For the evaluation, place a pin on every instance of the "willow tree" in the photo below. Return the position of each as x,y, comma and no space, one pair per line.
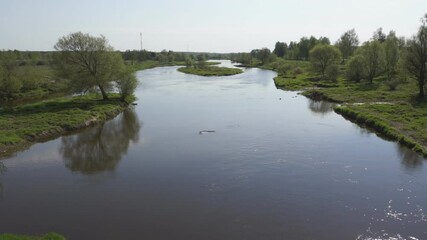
88,62
373,54
391,55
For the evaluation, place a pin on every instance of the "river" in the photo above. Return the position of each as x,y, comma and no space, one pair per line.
276,166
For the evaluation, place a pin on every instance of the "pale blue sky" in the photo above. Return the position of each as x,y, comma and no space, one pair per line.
213,26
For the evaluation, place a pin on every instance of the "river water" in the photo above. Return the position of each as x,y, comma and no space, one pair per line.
277,166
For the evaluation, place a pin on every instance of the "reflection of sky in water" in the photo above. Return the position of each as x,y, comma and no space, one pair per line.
277,165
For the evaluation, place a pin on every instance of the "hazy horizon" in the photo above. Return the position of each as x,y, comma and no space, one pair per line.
216,26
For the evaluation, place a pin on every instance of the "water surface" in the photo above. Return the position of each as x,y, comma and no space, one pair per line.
278,166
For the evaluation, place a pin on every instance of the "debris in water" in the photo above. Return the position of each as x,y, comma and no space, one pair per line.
206,131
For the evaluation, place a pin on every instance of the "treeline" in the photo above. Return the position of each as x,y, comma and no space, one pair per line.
30,58
165,56
26,72
387,55
292,51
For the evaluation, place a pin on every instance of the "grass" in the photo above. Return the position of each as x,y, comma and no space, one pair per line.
23,125
365,92
213,63
211,71
396,114
301,81
49,236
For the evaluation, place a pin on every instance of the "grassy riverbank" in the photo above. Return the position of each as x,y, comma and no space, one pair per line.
211,71
49,236
402,122
394,114
24,125
153,64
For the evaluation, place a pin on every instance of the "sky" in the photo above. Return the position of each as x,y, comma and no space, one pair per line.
199,25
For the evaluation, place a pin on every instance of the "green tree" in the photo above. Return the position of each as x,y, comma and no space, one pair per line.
280,49
162,57
304,47
171,56
264,55
201,60
189,61
416,57
126,83
401,74
9,80
293,51
88,62
348,43
324,40
355,68
323,57
373,54
391,55
245,58
379,35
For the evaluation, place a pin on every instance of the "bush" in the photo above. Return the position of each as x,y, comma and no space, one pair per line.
282,69
297,71
393,83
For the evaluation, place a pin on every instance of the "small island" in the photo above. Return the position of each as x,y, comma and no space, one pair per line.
211,71
203,68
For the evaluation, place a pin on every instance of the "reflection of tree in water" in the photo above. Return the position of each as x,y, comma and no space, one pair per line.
2,170
322,107
410,159
100,148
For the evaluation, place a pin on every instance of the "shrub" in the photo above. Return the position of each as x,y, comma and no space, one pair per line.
126,84
298,71
283,69
393,83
